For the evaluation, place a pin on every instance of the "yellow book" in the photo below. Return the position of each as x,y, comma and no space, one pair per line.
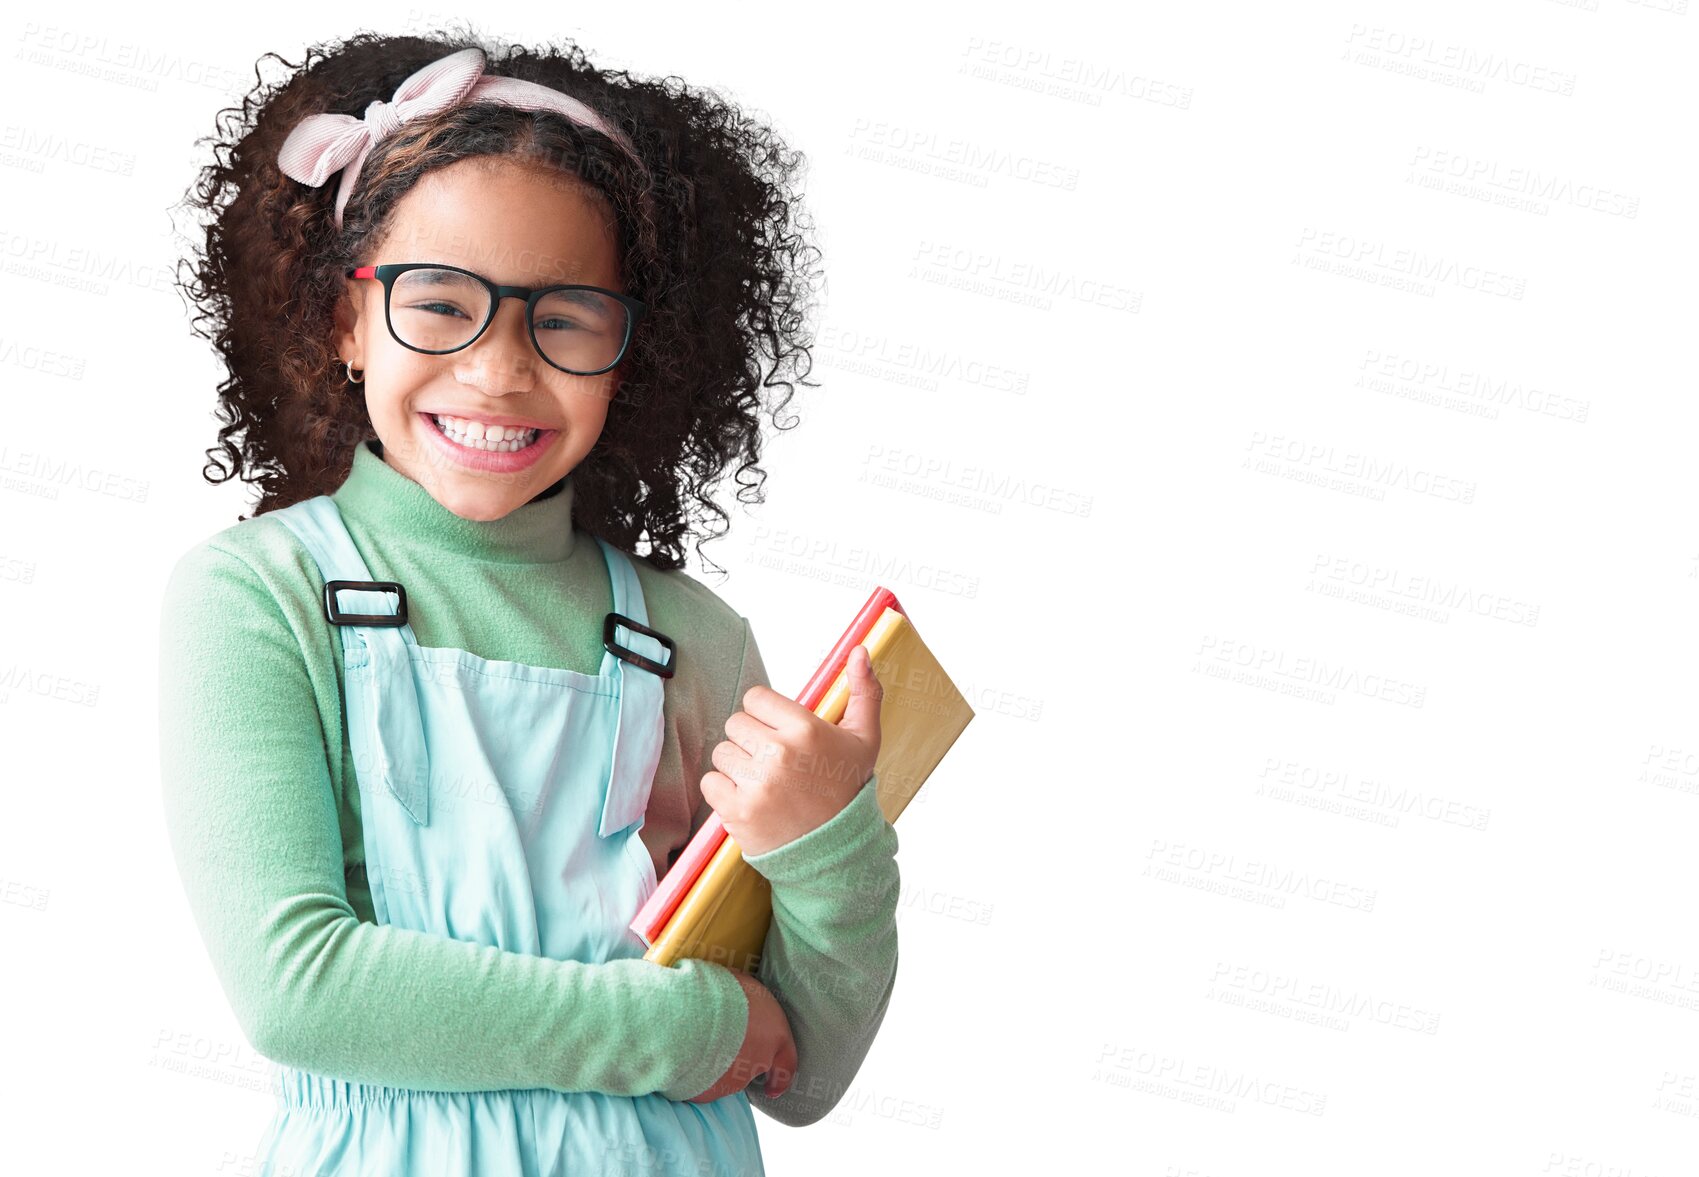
725,914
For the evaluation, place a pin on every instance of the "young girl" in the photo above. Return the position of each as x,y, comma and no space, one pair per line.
430,731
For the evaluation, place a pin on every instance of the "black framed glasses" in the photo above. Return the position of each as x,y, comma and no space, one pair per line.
437,309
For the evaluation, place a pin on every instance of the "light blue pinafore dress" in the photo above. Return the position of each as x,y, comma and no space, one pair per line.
500,804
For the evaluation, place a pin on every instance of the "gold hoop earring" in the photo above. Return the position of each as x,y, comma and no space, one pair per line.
351,370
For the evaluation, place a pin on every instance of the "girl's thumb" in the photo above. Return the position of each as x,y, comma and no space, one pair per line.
861,713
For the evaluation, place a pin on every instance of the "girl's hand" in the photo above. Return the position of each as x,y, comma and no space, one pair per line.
785,771
768,1047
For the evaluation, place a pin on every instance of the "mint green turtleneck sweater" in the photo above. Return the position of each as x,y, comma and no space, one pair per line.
263,811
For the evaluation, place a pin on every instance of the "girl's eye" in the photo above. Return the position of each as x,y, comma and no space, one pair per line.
556,324
437,308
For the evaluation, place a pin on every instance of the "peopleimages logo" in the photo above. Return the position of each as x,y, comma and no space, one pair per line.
1420,55
1414,263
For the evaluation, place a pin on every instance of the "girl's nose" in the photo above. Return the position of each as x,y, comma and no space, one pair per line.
501,360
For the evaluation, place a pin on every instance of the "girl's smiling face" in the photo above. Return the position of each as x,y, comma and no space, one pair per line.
515,224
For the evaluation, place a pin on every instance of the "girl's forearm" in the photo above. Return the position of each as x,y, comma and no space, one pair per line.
830,957
320,990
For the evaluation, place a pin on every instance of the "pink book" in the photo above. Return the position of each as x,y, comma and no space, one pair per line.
659,909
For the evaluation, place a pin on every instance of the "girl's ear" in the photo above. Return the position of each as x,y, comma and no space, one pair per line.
348,321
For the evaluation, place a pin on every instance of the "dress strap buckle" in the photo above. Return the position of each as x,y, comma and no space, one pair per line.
337,617
625,653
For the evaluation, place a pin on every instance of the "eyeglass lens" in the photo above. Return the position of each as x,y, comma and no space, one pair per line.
440,310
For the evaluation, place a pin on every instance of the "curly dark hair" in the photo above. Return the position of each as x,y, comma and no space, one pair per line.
710,238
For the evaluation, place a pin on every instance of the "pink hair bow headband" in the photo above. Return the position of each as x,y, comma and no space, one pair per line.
323,143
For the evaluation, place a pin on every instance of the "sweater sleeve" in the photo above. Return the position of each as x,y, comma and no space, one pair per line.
830,957
253,825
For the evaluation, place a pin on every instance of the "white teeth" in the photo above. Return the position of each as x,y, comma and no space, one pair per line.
500,439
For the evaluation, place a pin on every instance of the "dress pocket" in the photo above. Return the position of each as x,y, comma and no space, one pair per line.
383,701
638,737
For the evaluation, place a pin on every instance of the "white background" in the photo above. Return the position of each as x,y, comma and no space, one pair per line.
1280,420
